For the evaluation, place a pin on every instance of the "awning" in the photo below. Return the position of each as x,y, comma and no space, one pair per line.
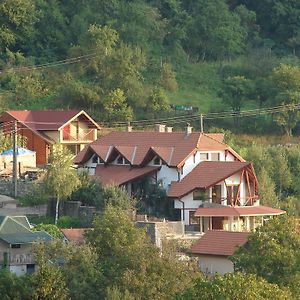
237,211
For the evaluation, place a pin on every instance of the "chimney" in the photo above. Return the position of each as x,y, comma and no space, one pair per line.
189,129
160,127
169,129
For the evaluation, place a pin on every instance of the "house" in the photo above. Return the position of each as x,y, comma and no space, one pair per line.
211,184
16,240
42,128
214,249
75,235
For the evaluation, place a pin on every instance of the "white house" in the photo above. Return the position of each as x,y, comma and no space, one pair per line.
214,249
198,170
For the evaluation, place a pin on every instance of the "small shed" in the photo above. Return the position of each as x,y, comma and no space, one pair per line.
214,249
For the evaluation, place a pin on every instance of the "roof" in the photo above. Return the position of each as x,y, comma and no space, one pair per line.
75,235
172,147
118,175
24,238
237,211
48,120
219,242
20,151
205,175
43,119
16,230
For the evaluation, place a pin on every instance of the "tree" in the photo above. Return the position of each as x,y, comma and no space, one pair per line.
17,20
168,78
285,85
60,180
236,92
130,263
158,102
236,286
52,229
48,281
214,32
272,252
116,108
13,287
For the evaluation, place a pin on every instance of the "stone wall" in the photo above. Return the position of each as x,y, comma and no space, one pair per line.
23,187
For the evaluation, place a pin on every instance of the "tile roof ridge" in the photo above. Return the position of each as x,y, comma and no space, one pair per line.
210,137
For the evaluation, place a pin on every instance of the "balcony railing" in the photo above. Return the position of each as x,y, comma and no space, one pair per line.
83,135
17,259
248,201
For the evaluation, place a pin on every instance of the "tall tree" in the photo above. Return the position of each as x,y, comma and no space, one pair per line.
285,86
61,179
272,252
236,286
130,263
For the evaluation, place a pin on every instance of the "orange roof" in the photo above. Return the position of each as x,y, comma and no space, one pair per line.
237,211
205,175
43,119
75,235
173,147
118,175
219,242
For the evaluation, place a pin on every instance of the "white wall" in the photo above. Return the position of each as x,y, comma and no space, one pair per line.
212,264
18,270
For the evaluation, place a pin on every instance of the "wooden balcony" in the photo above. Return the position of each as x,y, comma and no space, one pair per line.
17,259
84,136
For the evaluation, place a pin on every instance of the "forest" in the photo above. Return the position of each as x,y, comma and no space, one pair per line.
133,60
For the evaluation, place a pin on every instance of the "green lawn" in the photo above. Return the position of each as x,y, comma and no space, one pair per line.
198,86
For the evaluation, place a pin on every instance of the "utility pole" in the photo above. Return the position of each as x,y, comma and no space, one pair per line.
201,123
15,163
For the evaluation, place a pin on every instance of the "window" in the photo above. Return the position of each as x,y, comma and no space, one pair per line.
120,160
215,156
126,161
192,218
16,246
200,194
203,156
95,159
157,161
100,160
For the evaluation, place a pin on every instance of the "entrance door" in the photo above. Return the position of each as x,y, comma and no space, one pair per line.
216,194
217,223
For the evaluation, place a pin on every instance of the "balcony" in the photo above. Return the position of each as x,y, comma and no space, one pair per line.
17,259
86,135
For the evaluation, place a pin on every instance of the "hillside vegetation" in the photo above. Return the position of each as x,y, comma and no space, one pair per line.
127,60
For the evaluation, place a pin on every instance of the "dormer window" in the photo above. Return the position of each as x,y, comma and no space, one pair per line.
203,156
120,160
157,161
95,159
215,156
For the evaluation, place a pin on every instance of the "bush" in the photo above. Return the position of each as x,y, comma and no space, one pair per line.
68,222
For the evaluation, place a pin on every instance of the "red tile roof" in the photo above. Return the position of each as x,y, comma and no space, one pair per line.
118,175
75,235
237,211
43,119
173,147
219,242
205,175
